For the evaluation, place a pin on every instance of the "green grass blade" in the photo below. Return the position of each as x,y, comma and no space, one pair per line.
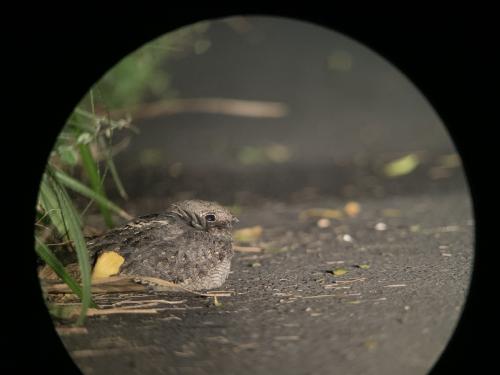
48,200
90,167
112,168
80,188
72,221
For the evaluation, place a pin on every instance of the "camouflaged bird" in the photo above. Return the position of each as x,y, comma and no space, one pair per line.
190,244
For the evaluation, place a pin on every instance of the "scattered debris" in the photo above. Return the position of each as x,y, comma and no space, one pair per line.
347,238
171,317
352,208
395,286
339,271
402,166
391,212
362,266
335,286
325,213
217,303
446,254
324,223
335,262
349,281
120,310
371,344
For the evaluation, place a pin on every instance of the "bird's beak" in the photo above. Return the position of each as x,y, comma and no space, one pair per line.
235,220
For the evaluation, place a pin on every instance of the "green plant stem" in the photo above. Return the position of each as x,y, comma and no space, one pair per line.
80,188
90,167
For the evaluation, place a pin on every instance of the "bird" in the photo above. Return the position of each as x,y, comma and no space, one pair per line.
189,244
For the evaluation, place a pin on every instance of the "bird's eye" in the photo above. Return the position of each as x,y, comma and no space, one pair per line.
210,217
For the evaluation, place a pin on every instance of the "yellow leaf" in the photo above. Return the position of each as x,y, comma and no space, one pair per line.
352,209
248,234
364,266
108,264
322,213
402,166
391,212
339,272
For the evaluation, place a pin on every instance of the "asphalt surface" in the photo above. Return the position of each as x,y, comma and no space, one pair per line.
290,315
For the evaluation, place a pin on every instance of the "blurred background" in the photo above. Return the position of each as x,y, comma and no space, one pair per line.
248,109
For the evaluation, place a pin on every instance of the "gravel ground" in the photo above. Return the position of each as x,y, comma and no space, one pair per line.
290,315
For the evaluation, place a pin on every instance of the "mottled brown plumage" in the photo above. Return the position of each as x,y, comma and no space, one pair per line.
189,244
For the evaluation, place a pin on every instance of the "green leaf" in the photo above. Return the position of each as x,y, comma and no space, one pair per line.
90,167
80,188
402,166
112,168
48,200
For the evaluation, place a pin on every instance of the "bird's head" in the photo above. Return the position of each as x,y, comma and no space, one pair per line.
204,215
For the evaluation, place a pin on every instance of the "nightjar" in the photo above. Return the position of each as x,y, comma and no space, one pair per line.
190,244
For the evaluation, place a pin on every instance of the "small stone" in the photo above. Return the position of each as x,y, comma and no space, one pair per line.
347,238
324,223
352,208
380,226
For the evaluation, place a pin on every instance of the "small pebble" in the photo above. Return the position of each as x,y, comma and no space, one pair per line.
380,226
324,223
347,238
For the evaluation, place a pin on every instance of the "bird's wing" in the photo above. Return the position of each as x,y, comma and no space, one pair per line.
151,245
134,234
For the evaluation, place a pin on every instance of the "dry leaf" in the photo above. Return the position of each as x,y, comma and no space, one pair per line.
321,213
352,208
391,212
402,166
339,271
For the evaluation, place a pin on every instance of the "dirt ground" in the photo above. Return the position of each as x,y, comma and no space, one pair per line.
376,293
